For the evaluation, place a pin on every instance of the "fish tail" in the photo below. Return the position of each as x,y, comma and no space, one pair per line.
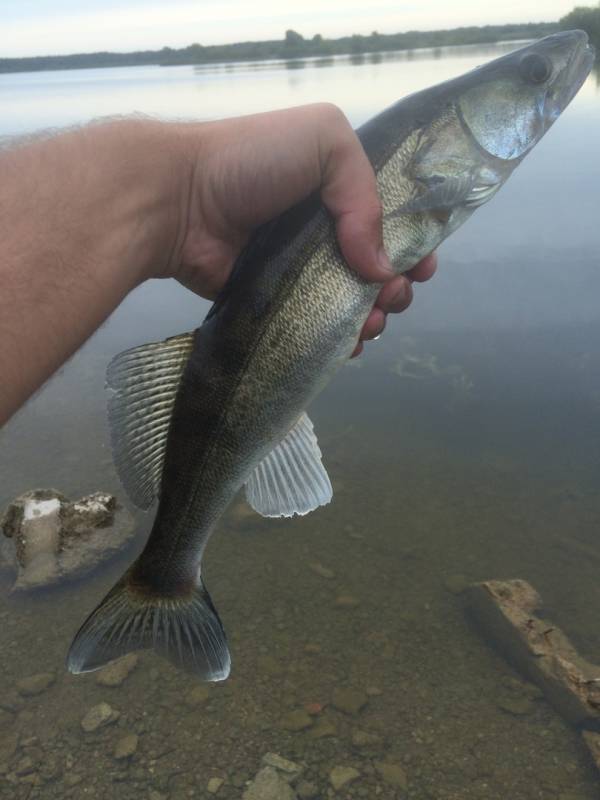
182,625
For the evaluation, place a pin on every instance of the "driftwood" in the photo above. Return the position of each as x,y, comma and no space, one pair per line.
507,612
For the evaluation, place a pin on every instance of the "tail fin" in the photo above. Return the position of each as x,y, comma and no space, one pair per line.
185,629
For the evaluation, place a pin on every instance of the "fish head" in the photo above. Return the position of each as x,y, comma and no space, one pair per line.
515,99
470,134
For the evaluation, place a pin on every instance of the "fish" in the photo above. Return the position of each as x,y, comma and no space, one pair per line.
199,416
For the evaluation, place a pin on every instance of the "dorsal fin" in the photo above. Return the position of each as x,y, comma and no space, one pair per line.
145,380
291,479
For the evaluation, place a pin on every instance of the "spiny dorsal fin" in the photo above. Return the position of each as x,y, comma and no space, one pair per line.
291,479
145,380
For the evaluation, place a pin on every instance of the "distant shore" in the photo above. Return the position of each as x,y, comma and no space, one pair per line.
293,45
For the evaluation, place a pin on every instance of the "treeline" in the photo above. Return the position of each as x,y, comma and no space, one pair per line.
292,46
587,18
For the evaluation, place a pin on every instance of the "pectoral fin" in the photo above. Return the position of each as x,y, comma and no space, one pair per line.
291,479
445,194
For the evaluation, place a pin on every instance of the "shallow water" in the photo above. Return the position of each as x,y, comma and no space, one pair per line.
462,446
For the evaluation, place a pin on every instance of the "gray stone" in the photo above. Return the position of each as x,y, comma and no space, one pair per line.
116,672
346,601
392,774
47,538
296,720
323,729
98,717
126,746
214,784
307,790
287,769
365,740
456,584
35,684
517,705
342,776
350,701
269,785
198,696
323,572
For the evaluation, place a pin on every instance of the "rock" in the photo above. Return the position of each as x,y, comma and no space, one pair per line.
116,672
323,572
307,790
392,774
346,601
214,784
25,766
350,701
516,705
506,611
365,740
269,785
98,717
342,776
296,720
35,684
592,740
47,538
126,746
323,729
287,769
198,696
374,691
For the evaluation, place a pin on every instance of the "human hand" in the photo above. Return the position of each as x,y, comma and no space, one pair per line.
249,169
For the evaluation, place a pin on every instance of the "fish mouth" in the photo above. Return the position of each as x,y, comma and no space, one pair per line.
573,75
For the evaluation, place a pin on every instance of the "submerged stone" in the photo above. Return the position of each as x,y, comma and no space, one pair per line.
47,538
116,672
35,684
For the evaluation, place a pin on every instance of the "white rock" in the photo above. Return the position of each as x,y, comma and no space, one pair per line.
269,785
342,776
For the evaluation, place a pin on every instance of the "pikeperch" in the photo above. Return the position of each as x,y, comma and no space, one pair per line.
202,414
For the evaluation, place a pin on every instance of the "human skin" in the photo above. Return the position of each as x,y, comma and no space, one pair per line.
89,214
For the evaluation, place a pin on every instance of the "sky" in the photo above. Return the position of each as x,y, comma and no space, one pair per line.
48,27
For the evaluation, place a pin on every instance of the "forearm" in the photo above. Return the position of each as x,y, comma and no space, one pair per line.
85,217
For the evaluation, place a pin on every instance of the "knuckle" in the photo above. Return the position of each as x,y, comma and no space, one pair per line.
329,113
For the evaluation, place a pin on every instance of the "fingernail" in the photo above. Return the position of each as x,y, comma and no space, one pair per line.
384,261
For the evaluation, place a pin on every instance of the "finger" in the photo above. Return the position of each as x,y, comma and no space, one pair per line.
374,326
424,270
357,350
395,296
349,191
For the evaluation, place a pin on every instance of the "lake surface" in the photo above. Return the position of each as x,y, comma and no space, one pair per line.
463,446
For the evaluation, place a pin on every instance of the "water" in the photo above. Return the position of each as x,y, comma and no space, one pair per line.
464,443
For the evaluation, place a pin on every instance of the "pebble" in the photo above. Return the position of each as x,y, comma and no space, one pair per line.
288,769
346,601
319,569
342,776
296,720
198,696
323,729
35,684
98,717
307,790
392,774
515,705
116,672
126,746
269,785
374,691
350,701
214,784
362,739
313,649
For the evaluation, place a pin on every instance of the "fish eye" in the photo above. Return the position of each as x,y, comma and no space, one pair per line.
535,68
